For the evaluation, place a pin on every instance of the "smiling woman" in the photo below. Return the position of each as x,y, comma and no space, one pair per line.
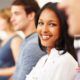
54,39
48,28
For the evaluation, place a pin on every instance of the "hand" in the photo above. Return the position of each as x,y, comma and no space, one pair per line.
78,69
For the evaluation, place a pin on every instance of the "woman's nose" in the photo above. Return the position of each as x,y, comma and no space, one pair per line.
45,28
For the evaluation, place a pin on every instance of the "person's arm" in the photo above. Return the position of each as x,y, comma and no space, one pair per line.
7,71
78,69
15,44
15,47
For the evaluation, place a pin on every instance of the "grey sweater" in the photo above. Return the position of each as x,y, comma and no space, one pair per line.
30,53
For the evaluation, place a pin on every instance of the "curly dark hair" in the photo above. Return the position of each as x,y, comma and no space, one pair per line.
65,42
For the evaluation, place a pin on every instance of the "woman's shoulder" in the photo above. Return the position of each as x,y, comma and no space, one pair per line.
68,58
42,60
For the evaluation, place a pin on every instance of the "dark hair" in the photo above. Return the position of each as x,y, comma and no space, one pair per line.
29,6
65,41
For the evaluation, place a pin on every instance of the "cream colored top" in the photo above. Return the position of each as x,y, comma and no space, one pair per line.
54,67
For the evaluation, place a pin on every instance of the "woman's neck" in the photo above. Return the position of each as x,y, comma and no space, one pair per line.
49,49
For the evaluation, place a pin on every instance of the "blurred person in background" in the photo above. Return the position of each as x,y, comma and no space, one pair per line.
72,9
23,15
9,49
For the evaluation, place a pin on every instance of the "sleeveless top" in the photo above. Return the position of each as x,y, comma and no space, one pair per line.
6,56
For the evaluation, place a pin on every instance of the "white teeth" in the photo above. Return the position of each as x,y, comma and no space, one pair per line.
45,37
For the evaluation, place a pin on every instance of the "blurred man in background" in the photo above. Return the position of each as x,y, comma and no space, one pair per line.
23,15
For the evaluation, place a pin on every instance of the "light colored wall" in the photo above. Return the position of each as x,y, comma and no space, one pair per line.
42,2
5,3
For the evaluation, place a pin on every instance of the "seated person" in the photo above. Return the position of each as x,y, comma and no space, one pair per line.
9,49
60,61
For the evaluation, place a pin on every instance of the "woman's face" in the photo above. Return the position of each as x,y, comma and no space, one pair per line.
3,24
48,28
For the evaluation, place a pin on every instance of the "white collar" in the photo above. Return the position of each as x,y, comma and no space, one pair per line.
55,54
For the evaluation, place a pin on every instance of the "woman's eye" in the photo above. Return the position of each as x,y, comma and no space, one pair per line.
52,24
40,23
